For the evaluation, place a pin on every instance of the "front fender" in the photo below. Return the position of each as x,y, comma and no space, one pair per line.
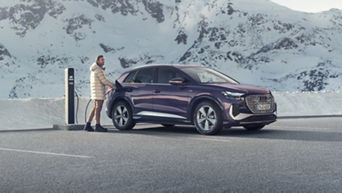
113,97
196,100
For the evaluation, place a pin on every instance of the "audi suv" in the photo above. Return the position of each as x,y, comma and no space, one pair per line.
184,94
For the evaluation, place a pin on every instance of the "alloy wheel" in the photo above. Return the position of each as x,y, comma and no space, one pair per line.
121,115
206,118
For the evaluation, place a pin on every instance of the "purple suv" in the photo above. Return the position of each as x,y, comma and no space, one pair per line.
183,94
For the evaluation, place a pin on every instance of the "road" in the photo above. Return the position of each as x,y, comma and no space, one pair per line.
292,155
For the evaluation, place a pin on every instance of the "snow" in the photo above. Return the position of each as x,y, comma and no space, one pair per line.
44,112
140,35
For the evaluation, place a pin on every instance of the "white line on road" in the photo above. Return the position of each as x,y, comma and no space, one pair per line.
44,153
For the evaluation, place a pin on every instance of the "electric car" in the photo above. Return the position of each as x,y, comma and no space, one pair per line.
184,94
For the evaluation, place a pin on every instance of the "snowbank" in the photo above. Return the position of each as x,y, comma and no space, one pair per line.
42,113
308,103
39,113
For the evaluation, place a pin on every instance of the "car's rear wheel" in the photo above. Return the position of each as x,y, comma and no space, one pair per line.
254,127
208,118
168,125
122,116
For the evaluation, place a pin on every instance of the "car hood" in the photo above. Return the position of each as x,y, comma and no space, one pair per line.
245,88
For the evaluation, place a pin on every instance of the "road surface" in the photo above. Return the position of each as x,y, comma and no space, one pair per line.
292,155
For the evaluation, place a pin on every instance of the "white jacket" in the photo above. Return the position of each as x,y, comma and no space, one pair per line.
98,82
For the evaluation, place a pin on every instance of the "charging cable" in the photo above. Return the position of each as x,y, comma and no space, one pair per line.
118,87
86,111
77,105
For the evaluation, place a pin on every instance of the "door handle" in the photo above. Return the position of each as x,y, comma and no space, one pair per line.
156,91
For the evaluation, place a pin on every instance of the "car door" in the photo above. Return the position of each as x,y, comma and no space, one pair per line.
142,89
171,101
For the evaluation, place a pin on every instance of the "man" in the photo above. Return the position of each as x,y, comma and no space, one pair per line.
98,81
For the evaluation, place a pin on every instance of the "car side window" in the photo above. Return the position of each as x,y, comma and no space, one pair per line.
130,76
145,75
166,74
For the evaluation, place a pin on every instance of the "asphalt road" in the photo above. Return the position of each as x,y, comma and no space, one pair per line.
294,155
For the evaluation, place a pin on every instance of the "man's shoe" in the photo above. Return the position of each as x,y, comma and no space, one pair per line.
99,128
88,127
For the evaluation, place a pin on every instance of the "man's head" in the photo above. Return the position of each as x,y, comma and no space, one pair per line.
100,60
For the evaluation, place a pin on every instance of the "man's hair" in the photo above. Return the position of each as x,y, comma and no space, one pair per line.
98,58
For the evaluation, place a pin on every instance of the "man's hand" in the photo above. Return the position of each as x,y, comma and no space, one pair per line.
109,90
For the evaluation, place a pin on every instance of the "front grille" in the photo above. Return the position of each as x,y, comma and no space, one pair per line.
260,104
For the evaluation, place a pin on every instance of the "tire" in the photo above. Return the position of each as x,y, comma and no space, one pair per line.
254,127
168,125
208,118
122,120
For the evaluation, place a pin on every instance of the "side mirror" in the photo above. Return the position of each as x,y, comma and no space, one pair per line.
177,81
118,85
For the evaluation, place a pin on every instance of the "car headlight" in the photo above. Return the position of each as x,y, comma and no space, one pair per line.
233,95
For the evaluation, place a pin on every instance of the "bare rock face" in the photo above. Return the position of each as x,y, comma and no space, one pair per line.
27,15
6,59
23,86
55,61
123,7
144,59
181,37
131,7
4,52
317,78
107,48
155,9
75,25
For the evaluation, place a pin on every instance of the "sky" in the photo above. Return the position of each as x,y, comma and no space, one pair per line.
310,5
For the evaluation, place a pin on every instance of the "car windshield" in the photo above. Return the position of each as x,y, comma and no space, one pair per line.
207,75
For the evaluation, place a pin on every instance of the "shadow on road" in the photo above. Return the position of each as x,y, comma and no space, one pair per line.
268,133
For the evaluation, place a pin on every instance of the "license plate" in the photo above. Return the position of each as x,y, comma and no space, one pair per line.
263,107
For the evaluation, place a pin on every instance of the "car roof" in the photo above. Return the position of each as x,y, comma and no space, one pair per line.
164,65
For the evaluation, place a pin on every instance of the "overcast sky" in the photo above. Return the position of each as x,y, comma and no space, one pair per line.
311,5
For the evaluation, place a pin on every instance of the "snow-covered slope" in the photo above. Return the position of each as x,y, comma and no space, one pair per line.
255,41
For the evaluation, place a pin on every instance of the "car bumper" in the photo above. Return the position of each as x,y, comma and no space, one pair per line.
254,119
238,114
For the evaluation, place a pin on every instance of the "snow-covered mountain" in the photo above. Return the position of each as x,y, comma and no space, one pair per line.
254,41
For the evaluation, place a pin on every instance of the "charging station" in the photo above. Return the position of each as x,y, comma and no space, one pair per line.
69,102
69,96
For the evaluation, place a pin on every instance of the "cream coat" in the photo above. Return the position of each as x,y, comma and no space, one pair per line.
98,82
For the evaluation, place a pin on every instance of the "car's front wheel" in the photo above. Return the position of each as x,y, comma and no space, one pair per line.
122,116
208,118
254,127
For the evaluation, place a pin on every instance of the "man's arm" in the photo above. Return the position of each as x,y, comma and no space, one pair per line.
103,79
